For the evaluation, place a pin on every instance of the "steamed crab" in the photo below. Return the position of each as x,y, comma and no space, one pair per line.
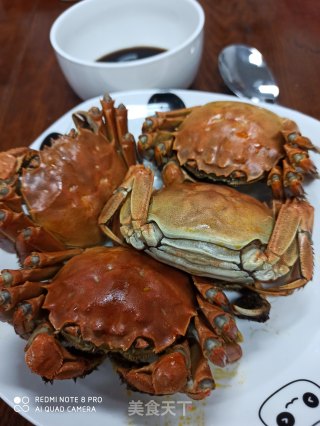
64,186
231,142
122,303
215,231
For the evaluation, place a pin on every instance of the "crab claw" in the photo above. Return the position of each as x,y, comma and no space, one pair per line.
45,356
166,376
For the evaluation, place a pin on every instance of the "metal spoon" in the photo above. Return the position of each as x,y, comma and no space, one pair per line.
246,73
160,101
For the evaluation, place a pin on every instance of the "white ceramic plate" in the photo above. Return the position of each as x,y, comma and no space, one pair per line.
279,370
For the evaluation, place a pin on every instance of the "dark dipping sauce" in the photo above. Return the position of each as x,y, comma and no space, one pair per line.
131,54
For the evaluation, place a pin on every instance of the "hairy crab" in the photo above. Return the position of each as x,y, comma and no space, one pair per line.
215,231
64,186
231,142
159,330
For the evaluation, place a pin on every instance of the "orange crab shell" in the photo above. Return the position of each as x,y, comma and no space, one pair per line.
116,298
75,177
223,137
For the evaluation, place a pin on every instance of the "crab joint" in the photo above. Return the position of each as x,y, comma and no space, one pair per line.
9,298
6,278
227,326
4,191
223,323
34,260
12,277
215,352
296,138
220,354
50,258
201,381
5,298
148,123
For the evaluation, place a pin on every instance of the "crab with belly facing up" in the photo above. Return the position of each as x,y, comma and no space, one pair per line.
159,330
231,142
64,186
215,231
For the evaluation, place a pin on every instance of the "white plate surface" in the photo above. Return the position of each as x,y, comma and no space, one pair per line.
280,363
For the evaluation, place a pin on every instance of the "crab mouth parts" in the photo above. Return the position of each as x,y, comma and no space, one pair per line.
132,357
236,178
72,338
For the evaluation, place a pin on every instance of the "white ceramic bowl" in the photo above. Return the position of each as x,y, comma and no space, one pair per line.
92,28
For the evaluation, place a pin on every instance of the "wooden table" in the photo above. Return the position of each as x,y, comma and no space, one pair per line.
34,93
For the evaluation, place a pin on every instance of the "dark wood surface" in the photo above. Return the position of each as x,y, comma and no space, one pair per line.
34,93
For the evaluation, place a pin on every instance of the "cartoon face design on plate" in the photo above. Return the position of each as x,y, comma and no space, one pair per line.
295,404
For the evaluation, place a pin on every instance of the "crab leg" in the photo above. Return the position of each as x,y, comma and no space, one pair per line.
12,223
18,228
51,258
47,357
12,277
166,120
25,315
275,181
36,239
214,347
250,305
159,134
292,215
11,161
163,123
172,173
128,149
91,119
8,195
117,127
201,382
10,297
296,163
295,219
222,322
295,138
299,158
292,179
108,109
139,181
212,293
157,145
113,124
